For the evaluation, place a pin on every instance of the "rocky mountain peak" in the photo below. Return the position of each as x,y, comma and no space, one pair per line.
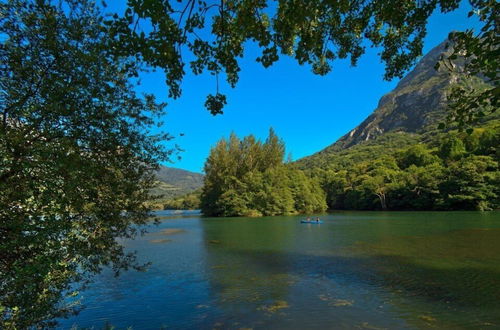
417,101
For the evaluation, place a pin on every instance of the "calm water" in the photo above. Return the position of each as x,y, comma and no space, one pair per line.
356,270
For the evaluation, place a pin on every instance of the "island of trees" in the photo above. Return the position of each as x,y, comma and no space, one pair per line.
247,177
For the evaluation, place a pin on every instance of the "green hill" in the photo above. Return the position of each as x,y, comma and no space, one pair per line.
173,182
407,115
397,158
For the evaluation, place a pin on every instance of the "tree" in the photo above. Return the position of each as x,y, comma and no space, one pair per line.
378,186
190,201
479,55
248,178
419,189
337,187
76,158
417,155
273,149
312,32
276,196
489,143
472,184
307,193
452,148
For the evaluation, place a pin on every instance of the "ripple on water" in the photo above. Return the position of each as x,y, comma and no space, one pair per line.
405,271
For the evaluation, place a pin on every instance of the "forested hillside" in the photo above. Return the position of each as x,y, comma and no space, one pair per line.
173,182
398,171
398,159
175,188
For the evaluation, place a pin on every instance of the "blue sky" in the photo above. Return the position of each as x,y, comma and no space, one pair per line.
308,112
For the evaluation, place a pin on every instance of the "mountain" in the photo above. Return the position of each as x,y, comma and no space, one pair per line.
398,158
415,106
407,115
417,101
174,182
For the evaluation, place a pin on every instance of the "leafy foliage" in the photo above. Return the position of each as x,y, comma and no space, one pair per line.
312,32
76,159
451,171
189,201
480,53
248,178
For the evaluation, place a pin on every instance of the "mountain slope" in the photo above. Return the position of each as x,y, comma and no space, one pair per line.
398,159
174,182
417,101
405,116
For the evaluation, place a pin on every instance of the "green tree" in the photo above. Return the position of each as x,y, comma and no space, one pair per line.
472,184
190,201
377,185
248,177
312,32
419,188
232,202
276,197
479,57
307,193
273,150
452,148
76,158
489,142
216,171
417,155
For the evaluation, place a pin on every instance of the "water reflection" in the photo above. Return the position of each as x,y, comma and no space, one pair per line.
357,270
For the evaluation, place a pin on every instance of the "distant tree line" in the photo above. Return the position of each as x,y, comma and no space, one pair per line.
189,201
452,171
457,171
249,178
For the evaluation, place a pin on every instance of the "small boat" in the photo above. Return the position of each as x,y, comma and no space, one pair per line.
311,221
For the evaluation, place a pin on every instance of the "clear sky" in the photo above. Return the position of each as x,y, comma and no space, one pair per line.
308,112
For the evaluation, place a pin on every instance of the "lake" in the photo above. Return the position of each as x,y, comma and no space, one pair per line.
365,270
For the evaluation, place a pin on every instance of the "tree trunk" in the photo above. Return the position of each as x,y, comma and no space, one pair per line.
382,201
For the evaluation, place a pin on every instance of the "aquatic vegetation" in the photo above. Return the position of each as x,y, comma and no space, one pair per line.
202,306
324,297
276,306
219,266
158,241
341,303
172,231
335,302
427,318
366,325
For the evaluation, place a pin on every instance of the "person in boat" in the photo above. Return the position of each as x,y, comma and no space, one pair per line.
308,219
317,219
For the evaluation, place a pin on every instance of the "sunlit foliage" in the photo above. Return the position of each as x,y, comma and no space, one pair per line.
452,171
76,159
248,178
212,36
